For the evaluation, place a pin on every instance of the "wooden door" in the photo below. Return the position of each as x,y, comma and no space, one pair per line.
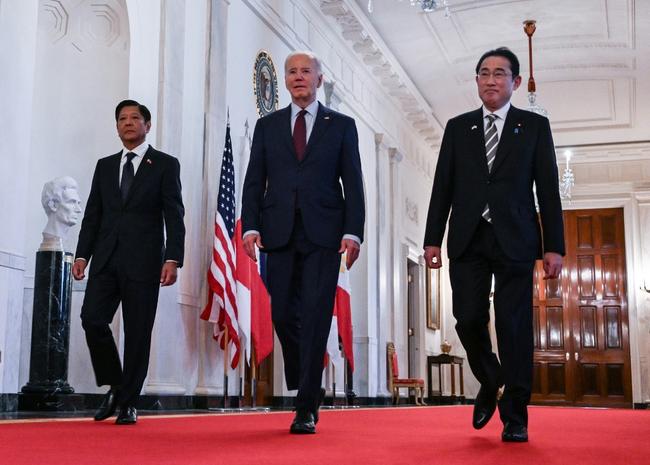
582,353
552,369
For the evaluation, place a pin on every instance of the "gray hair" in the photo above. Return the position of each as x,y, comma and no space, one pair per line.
307,53
53,190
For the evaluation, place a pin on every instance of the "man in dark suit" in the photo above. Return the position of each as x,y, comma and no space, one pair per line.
489,161
135,198
293,206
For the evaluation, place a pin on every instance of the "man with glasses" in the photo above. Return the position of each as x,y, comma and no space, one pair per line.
490,161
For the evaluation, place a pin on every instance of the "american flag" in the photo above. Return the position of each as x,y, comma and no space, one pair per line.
221,308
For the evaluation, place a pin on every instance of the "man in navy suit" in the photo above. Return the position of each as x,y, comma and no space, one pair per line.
303,203
489,161
135,198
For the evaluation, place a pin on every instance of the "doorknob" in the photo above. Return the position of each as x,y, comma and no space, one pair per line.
410,331
576,356
567,356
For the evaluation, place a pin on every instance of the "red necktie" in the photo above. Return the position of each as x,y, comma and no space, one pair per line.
300,135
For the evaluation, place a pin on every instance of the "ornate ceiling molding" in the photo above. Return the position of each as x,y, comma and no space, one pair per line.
367,43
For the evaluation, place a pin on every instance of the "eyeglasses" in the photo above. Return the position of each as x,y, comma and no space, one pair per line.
498,75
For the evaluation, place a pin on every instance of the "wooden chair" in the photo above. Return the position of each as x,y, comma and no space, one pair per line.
395,382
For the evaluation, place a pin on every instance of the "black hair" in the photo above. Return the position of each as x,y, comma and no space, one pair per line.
504,52
144,111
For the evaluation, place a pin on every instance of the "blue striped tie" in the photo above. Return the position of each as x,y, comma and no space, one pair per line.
491,143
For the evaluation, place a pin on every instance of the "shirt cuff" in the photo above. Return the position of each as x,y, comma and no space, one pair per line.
249,232
171,261
80,258
353,237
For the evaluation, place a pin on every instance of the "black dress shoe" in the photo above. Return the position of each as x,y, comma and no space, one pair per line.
303,423
484,407
127,416
514,433
321,398
108,405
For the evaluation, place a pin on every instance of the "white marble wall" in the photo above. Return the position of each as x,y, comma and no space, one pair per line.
18,22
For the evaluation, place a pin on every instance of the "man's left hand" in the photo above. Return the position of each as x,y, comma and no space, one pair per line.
168,274
552,265
352,248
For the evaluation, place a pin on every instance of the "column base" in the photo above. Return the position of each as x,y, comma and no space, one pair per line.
47,402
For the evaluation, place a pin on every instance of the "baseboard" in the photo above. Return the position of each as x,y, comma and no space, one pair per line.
80,402
288,402
8,402
76,402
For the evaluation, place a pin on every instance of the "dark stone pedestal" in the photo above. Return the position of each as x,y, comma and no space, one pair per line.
48,365
45,402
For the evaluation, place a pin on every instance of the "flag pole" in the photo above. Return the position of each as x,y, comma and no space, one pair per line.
226,359
333,382
253,377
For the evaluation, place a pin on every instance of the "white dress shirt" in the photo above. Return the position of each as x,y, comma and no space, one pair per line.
501,113
139,151
310,116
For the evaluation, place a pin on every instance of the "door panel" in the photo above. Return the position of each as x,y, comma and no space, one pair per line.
552,381
592,316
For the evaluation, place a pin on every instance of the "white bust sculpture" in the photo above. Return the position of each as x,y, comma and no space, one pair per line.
62,206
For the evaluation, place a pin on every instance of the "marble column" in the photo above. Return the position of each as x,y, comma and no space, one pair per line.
48,368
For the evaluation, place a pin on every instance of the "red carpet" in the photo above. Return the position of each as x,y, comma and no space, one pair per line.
419,435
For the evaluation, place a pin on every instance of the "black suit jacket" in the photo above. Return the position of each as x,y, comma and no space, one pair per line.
134,229
462,184
276,184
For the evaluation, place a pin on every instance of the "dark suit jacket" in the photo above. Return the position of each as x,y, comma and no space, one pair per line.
276,184
462,183
134,229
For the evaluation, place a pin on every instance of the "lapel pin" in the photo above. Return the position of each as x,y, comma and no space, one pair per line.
518,129
474,127
148,160
326,117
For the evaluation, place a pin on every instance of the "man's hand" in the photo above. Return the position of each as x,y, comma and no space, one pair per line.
552,265
250,241
352,248
168,274
432,256
79,269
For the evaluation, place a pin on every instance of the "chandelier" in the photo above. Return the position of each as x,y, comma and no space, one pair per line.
427,6
568,179
529,29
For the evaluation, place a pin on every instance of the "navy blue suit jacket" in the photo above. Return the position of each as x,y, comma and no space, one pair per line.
462,184
326,186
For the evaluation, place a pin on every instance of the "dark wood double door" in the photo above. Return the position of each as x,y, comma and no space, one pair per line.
582,348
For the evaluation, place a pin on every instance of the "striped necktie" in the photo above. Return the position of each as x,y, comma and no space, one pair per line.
491,143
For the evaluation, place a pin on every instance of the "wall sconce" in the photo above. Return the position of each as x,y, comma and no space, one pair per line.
568,179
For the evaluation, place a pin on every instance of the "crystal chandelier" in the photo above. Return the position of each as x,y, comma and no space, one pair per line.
568,179
426,6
